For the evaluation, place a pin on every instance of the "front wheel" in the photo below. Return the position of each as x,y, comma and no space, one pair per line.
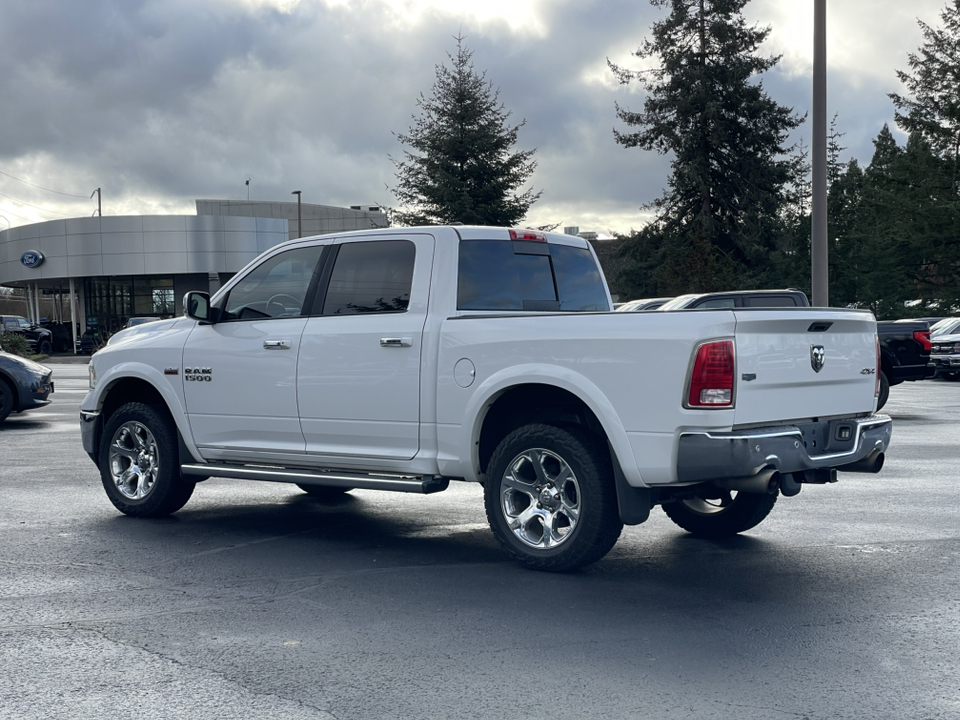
139,462
717,513
550,498
45,348
6,399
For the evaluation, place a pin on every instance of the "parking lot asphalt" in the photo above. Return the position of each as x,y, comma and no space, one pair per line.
257,601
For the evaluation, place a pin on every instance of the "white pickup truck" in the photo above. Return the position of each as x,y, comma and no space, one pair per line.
404,358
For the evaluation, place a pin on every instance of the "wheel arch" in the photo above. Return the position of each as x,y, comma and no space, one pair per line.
135,385
523,401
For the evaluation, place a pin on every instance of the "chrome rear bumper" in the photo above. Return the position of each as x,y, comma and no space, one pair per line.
706,456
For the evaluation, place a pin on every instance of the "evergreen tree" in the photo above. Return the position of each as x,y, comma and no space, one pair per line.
460,167
933,107
718,224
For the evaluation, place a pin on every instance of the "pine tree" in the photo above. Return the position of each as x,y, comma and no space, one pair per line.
719,220
933,107
460,167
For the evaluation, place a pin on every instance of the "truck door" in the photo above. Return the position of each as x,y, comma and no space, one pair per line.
359,368
240,374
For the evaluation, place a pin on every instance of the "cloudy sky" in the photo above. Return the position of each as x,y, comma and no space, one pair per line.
161,102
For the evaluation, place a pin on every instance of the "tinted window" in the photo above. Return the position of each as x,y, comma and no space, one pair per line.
770,301
499,275
728,302
371,277
578,280
275,288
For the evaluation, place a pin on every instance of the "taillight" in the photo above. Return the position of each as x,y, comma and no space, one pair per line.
528,235
923,337
711,383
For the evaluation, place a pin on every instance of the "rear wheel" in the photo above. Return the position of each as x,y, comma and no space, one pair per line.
324,492
550,498
716,513
140,464
6,399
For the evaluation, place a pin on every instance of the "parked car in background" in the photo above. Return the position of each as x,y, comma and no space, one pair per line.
134,321
945,354
904,354
24,384
62,337
40,339
642,305
739,299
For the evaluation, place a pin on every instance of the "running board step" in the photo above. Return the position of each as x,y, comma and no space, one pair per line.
397,483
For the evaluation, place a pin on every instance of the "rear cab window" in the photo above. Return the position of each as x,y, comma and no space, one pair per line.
511,275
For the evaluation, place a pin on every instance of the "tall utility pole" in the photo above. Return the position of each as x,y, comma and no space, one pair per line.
99,208
818,239
297,193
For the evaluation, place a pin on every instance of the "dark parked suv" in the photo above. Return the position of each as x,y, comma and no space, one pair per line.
739,299
40,339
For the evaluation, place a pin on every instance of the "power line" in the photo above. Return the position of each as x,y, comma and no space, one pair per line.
41,188
51,212
11,212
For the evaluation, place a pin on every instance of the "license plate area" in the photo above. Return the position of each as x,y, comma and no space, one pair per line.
827,437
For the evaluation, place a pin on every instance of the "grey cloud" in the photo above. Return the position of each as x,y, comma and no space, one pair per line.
164,101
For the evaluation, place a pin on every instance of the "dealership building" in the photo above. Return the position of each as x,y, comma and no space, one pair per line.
105,270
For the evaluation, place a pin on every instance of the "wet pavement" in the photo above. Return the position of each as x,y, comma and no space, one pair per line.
257,601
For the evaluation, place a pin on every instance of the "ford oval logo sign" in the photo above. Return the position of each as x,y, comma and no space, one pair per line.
32,258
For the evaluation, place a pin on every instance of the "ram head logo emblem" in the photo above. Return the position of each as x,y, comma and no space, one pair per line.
817,356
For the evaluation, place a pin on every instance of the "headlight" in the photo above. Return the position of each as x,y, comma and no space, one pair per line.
93,375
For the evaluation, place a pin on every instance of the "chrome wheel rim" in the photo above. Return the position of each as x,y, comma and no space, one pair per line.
713,505
540,498
134,460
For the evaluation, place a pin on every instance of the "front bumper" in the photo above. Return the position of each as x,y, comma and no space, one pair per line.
946,362
38,393
706,456
89,429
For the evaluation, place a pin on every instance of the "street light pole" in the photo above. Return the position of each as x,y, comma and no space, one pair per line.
299,217
818,238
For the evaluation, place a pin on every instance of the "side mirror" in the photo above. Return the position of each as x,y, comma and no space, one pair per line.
196,305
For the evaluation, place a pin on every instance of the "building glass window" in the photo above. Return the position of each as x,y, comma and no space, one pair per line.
111,301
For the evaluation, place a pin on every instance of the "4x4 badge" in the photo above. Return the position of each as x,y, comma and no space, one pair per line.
817,356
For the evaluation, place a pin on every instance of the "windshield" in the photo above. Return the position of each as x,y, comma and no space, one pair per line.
947,326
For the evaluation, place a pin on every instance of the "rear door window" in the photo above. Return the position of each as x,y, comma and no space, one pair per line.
371,277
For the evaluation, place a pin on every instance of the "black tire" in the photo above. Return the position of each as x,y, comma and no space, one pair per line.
581,507
720,513
7,399
884,390
45,348
327,493
141,436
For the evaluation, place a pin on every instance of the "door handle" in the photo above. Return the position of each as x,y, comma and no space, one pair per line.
396,342
276,344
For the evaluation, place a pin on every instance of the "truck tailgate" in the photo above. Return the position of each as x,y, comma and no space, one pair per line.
804,364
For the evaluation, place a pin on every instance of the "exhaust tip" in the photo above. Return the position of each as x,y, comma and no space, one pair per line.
774,485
